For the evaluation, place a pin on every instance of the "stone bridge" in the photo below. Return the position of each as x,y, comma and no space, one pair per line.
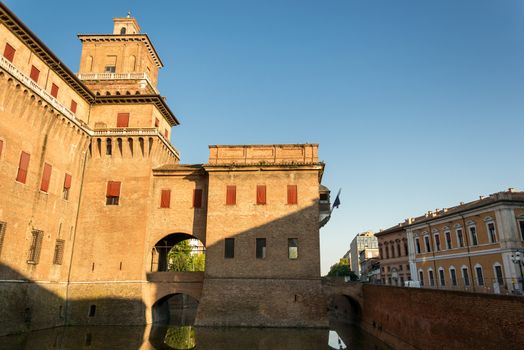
345,299
163,285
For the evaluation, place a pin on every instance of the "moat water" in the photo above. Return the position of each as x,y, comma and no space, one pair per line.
180,334
339,336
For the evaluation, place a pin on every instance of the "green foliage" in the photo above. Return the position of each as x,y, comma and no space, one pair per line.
341,269
180,337
180,258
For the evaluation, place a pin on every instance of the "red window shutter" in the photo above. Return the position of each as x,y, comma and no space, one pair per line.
231,195
113,189
54,90
261,194
157,122
1,147
9,52
73,106
166,135
46,177
122,120
35,73
292,194
197,198
22,167
67,181
165,199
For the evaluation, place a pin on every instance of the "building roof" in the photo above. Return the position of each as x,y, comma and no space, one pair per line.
509,196
15,25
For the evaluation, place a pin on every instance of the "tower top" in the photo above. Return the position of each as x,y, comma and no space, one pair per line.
125,25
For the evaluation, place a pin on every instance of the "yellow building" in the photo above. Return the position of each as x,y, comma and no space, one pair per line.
470,247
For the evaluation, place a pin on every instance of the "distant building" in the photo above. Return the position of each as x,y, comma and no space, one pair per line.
362,241
368,258
393,248
470,246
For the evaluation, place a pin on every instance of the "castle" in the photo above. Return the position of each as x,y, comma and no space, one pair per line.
91,188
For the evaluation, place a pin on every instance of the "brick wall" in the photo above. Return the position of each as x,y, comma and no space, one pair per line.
410,318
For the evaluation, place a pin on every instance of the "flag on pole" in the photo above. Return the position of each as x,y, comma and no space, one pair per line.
336,203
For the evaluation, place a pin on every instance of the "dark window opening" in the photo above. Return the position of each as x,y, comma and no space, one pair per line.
442,278
122,30
466,276
498,273
92,311
480,276
109,69
229,249
109,147
261,248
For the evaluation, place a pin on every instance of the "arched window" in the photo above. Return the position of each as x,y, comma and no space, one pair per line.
441,276
465,275
421,277
431,277
122,30
479,274
453,276
499,275
491,230
472,228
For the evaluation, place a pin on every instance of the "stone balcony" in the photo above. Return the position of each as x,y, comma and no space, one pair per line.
119,76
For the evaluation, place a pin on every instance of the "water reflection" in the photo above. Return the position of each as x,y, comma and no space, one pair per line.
188,337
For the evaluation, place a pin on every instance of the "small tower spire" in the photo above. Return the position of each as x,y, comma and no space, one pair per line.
128,14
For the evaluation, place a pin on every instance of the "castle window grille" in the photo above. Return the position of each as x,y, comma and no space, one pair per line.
36,247
292,247
229,248
59,252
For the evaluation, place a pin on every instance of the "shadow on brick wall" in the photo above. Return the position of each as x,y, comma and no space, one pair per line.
29,305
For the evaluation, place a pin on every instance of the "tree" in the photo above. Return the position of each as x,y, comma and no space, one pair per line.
182,258
342,269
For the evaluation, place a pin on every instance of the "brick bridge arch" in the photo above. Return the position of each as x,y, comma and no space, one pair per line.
162,283
339,292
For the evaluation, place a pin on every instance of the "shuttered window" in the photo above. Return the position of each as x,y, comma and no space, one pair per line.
166,134
165,199
35,73
73,106
1,147
9,52
113,192
261,194
292,194
231,195
67,186
122,120
2,235
46,177
157,122
197,198
23,166
35,248
54,90
59,252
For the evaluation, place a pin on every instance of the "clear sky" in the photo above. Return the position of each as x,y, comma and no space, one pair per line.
416,104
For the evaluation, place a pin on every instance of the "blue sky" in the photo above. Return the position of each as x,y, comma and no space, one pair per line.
416,105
